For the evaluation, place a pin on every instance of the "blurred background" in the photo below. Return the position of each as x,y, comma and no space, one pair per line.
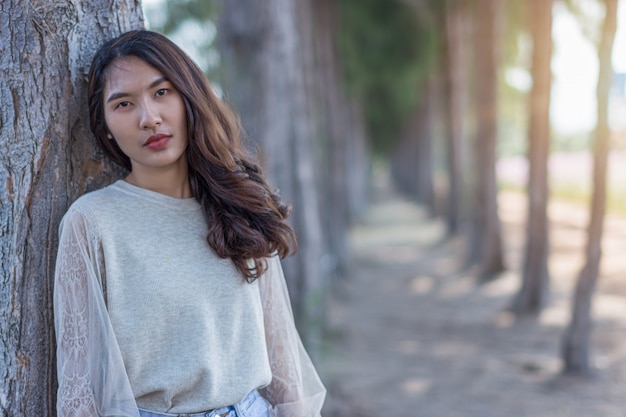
457,171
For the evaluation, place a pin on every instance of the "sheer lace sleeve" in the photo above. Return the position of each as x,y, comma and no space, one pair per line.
296,389
91,373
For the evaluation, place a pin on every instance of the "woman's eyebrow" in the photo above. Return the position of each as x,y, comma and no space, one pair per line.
157,82
122,94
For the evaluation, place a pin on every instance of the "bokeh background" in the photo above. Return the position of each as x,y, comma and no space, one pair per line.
458,175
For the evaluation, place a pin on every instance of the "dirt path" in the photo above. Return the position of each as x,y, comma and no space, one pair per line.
411,335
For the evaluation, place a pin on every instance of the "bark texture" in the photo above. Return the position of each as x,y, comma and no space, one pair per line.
576,343
535,276
47,160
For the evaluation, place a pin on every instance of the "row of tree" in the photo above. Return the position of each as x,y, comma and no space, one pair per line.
312,80
459,103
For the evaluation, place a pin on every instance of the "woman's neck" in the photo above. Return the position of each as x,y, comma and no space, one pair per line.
173,184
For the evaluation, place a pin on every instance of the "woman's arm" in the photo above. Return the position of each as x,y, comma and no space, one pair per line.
90,370
296,389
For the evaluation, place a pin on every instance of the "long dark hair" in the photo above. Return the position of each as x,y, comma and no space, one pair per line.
246,218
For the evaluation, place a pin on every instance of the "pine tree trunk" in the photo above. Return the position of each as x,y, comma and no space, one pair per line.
262,52
576,343
453,111
412,160
487,230
334,117
343,155
358,161
425,156
404,165
48,159
535,277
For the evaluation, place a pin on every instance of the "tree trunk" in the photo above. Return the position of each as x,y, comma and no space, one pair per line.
404,165
425,155
264,78
486,247
412,160
576,342
334,117
342,148
48,159
535,277
358,162
453,111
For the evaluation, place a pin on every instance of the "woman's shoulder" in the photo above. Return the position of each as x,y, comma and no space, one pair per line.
92,204
99,197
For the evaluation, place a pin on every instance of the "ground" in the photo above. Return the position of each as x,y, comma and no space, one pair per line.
410,334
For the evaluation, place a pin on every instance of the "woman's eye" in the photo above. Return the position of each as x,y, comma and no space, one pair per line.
123,104
161,92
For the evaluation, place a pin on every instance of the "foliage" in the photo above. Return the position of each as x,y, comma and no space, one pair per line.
190,23
516,61
179,11
386,49
590,15
516,23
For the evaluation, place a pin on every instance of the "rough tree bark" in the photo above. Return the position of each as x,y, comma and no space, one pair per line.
576,342
264,79
47,159
486,247
535,276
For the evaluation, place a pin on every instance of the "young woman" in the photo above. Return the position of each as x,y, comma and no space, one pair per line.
169,294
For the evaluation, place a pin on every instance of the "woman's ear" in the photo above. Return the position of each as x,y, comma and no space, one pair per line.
109,136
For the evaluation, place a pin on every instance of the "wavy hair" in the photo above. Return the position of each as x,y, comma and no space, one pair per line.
246,218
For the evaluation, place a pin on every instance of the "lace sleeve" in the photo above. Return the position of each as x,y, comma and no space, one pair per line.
91,373
296,389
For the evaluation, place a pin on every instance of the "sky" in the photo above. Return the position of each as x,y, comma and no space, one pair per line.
619,49
575,71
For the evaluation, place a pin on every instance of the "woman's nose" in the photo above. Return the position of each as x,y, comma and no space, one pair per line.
151,116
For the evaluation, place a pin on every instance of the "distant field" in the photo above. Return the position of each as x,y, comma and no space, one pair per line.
571,175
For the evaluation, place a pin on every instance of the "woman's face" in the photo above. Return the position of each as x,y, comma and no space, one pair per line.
146,116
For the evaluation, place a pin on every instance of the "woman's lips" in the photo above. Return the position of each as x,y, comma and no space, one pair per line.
157,142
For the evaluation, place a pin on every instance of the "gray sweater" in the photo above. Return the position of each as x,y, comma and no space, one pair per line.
189,327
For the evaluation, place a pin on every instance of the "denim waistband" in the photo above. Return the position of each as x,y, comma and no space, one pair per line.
243,405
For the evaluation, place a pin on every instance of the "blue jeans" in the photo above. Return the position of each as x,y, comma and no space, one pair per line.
253,405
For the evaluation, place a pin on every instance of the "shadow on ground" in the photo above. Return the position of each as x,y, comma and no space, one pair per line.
411,334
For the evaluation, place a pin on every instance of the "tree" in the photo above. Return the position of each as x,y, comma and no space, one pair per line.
486,239
425,153
264,71
381,56
412,160
576,341
453,96
48,159
342,146
535,277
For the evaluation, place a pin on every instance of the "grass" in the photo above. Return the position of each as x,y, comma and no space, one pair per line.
579,194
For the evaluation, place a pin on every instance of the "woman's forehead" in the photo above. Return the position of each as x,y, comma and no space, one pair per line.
130,73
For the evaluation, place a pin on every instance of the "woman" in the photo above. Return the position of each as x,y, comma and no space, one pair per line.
169,295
